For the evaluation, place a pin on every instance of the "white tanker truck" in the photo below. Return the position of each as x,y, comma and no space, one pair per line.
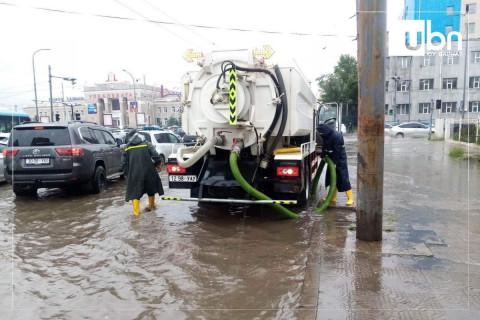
256,127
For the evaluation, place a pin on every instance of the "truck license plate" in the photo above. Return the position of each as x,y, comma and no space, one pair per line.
38,161
178,178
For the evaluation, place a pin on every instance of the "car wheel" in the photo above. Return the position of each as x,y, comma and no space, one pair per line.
99,182
24,191
399,135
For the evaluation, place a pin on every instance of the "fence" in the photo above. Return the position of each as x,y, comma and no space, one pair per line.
466,130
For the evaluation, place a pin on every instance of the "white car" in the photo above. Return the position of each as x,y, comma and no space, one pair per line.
410,129
3,145
165,143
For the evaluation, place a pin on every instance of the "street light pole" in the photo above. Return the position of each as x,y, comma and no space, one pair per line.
134,93
396,79
35,83
50,85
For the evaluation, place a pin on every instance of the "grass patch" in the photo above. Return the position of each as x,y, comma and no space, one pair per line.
352,228
389,230
457,153
435,138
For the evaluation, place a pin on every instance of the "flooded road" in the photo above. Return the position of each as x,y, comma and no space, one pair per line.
88,257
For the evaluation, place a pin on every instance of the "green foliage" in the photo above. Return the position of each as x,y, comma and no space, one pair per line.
342,86
457,153
173,122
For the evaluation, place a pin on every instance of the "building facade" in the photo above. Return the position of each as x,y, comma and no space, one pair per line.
436,85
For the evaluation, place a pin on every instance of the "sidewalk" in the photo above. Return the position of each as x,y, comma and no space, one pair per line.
428,264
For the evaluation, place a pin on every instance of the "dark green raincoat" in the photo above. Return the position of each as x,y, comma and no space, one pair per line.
138,163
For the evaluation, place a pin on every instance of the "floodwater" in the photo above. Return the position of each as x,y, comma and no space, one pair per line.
88,257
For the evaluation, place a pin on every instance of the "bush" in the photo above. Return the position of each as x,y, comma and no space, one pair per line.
457,153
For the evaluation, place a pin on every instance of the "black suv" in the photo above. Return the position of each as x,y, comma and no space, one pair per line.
55,155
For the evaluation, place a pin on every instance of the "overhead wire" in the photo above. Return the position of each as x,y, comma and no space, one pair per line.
189,25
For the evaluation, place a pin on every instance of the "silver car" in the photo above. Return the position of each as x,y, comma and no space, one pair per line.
165,143
410,129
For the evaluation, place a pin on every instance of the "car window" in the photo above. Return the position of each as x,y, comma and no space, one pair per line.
147,136
163,138
41,136
173,139
99,136
108,137
87,135
2,146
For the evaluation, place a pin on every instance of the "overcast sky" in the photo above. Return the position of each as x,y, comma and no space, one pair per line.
90,38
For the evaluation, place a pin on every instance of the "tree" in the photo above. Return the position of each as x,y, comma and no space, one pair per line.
341,86
173,122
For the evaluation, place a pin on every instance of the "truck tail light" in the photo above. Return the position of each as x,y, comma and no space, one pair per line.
10,152
175,169
69,151
287,171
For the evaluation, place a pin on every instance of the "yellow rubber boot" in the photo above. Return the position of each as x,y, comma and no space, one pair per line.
334,199
350,197
151,203
136,207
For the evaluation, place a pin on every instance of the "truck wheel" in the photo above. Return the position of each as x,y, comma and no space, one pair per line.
24,191
99,182
303,198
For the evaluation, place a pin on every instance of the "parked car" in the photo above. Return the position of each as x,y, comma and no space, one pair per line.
4,136
165,143
189,140
410,129
3,146
388,128
55,155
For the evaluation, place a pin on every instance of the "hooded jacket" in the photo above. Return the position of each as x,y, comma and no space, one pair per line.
334,147
138,163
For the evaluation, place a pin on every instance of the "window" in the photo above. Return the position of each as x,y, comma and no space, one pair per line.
449,11
115,104
470,26
165,109
173,109
424,108
386,86
403,108
386,109
87,135
474,82
403,62
451,60
426,84
475,57
403,85
472,8
98,136
449,107
173,138
428,60
449,83
165,120
474,106
108,137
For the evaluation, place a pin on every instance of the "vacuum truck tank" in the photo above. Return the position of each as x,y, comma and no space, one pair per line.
263,113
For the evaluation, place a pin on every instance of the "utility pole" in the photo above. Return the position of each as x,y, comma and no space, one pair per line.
50,84
396,79
35,83
431,119
464,101
371,26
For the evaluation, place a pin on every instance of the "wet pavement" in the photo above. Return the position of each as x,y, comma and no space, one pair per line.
87,257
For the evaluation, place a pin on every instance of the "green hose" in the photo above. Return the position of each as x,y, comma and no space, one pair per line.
253,192
333,185
317,178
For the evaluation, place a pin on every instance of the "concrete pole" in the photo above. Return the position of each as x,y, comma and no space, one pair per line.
50,85
371,28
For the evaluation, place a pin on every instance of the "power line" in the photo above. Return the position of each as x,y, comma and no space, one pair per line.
189,25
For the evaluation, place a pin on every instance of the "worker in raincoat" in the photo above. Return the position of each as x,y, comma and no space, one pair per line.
334,147
140,164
